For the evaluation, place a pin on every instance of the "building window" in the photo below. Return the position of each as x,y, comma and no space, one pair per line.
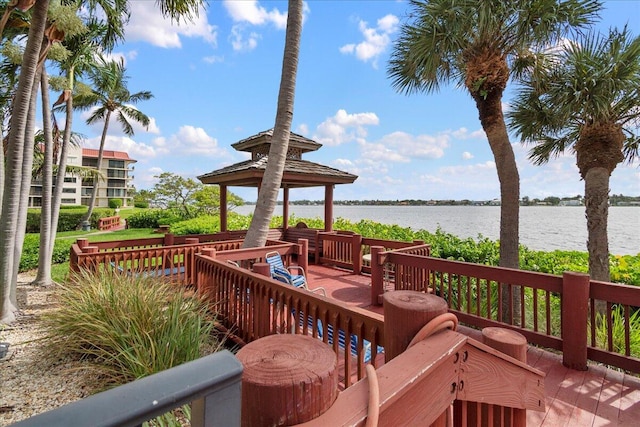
71,179
69,190
86,192
116,164
68,201
93,163
115,192
112,173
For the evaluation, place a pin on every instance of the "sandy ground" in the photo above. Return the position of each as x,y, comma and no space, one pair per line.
32,382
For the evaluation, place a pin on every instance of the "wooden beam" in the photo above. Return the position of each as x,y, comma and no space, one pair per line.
223,208
328,207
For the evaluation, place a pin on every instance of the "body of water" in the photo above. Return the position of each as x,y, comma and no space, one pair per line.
543,228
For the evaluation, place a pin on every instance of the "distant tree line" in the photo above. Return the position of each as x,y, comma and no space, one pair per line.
615,199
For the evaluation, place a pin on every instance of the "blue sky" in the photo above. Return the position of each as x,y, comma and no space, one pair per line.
215,81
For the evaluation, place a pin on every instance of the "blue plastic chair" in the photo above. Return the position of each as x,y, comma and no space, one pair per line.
283,274
342,342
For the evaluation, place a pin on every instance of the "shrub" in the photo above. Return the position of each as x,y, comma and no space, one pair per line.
141,204
145,219
115,203
201,225
130,327
29,258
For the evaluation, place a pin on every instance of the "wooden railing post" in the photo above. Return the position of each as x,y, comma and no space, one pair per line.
287,380
191,240
405,313
262,268
377,275
168,239
82,243
91,265
512,344
303,255
575,314
356,251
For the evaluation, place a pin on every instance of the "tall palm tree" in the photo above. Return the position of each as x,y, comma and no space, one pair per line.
586,98
272,179
12,196
14,162
111,96
479,45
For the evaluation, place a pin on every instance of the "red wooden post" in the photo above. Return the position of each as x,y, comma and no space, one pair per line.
303,255
405,313
91,264
223,208
285,209
328,207
262,268
513,344
356,251
208,252
575,314
287,380
377,275
191,240
82,243
168,240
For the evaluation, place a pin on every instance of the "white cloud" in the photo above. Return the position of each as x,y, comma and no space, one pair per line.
376,40
194,140
213,59
148,24
136,150
463,133
251,12
467,155
344,127
242,42
121,56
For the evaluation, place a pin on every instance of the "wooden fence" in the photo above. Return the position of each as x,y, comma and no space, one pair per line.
254,306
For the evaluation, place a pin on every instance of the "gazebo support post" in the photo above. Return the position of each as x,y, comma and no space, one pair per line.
328,207
223,208
285,209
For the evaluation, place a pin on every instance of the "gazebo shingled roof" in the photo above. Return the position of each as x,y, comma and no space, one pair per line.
297,173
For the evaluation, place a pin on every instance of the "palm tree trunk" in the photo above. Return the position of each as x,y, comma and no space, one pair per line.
493,123
94,192
62,171
25,184
14,160
272,179
43,278
596,195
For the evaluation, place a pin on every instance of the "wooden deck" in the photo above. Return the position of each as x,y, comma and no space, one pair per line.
596,397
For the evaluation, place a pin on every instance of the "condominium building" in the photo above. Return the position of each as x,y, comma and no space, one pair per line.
115,182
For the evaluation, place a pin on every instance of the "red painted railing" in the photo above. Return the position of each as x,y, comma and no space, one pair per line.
254,306
108,223
546,309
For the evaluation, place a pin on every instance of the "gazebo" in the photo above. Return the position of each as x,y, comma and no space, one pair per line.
297,173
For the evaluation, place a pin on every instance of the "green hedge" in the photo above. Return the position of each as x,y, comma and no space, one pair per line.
69,218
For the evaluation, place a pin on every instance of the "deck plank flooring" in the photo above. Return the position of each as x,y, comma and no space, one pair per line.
596,397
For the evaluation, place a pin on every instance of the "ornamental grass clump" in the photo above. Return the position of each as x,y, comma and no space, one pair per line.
130,327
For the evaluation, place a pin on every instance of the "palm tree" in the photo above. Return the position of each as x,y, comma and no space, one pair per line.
17,146
585,97
111,96
272,179
12,195
479,45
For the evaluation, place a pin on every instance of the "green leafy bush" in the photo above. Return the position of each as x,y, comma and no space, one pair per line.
141,204
115,203
200,225
146,219
29,258
131,327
